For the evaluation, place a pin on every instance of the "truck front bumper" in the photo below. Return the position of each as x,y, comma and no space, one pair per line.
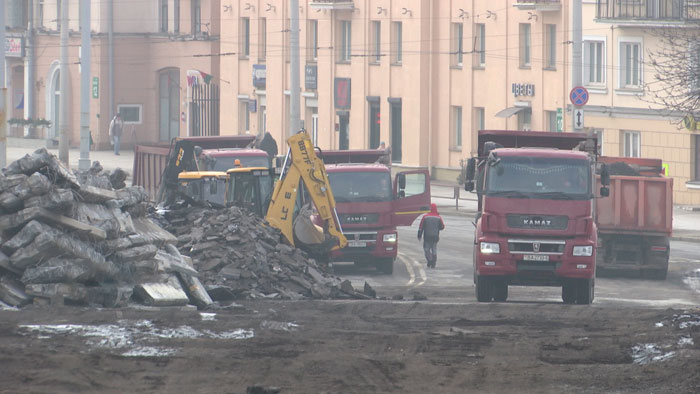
379,244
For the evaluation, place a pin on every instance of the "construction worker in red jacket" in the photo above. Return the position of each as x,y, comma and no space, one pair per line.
430,226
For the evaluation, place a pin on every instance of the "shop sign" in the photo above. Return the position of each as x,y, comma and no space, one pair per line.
522,89
259,75
311,76
14,47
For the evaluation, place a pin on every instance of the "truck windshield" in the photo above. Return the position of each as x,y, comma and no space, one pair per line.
540,178
224,163
358,186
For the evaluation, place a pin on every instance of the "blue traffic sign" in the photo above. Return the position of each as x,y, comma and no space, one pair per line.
579,95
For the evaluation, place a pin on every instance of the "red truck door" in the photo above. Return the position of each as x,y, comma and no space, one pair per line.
412,196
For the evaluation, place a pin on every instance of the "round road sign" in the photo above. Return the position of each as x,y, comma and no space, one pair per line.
578,95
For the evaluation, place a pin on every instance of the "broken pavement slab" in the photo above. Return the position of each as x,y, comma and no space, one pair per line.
70,291
18,219
168,293
12,292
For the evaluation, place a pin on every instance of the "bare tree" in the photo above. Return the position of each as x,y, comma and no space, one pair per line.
676,70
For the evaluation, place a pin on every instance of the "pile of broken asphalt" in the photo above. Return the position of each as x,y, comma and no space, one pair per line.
84,238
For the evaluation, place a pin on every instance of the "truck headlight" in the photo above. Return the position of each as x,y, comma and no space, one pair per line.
490,248
583,250
389,238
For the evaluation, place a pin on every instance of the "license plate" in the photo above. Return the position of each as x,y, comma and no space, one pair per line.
536,257
357,244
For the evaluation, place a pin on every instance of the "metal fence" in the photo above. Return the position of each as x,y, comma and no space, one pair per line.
204,110
674,10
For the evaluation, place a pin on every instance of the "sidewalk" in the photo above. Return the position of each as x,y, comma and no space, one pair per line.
686,222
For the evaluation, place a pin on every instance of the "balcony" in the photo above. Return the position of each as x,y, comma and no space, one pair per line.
648,12
348,5
538,5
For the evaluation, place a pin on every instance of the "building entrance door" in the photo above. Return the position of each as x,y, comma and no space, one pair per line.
396,132
343,128
374,125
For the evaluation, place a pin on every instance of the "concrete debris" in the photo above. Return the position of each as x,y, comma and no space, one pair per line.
74,292
12,292
169,293
240,256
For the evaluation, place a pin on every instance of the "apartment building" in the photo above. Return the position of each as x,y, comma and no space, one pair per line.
620,39
422,76
156,62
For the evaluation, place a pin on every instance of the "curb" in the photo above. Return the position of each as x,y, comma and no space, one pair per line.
686,239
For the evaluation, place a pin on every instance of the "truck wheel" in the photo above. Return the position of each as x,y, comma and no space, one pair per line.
484,289
386,266
500,291
568,293
584,291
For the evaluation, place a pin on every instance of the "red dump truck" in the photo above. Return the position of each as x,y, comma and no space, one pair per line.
153,162
634,224
536,221
370,206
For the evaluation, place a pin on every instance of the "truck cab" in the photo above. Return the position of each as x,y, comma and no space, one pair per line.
535,225
370,205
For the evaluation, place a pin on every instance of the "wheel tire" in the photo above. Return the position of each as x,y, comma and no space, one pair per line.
484,289
500,291
386,266
568,293
584,291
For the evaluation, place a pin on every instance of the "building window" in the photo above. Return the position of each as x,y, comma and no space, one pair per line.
196,16
131,113
176,16
243,117
262,39
457,126
479,119
593,62
58,14
551,117
457,44
376,41
244,37
696,157
550,46
40,13
525,119
396,42
631,146
525,45
480,45
163,15
312,40
630,65
599,136
344,41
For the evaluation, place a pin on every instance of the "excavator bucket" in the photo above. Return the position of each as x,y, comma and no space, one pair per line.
310,237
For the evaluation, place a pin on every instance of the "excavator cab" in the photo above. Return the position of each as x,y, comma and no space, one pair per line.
203,186
250,188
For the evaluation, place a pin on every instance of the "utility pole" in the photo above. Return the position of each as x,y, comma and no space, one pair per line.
295,88
576,58
3,91
85,60
63,80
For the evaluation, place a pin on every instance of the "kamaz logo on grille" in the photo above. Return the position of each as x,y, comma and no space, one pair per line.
355,219
537,222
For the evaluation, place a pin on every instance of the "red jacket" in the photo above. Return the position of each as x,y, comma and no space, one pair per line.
431,224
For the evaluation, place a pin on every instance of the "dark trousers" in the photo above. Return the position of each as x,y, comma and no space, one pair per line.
430,250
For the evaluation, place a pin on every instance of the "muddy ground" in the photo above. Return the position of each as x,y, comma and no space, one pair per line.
352,347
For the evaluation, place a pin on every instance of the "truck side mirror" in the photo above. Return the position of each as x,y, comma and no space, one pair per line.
604,175
604,191
402,181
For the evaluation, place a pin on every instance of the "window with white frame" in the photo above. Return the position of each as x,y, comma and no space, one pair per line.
312,40
376,41
163,15
197,16
631,144
480,45
244,37
525,44
131,113
397,42
630,64
457,44
344,41
243,117
262,39
479,119
550,46
176,16
696,157
594,62
456,126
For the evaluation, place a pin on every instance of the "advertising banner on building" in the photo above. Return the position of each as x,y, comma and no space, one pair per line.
259,75
14,47
342,93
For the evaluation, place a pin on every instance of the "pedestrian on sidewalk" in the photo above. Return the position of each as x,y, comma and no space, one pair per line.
430,226
115,131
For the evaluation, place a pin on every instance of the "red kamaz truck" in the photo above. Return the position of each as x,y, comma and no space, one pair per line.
370,206
536,221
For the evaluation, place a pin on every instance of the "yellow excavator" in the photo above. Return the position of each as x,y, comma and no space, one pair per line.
283,206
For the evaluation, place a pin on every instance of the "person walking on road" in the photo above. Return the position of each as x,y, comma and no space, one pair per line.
115,131
430,226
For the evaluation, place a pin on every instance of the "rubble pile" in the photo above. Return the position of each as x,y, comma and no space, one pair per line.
238,255
84,238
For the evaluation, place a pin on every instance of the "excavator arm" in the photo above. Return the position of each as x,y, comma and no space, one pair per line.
302,164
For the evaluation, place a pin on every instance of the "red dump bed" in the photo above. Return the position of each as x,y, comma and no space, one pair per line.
641,198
